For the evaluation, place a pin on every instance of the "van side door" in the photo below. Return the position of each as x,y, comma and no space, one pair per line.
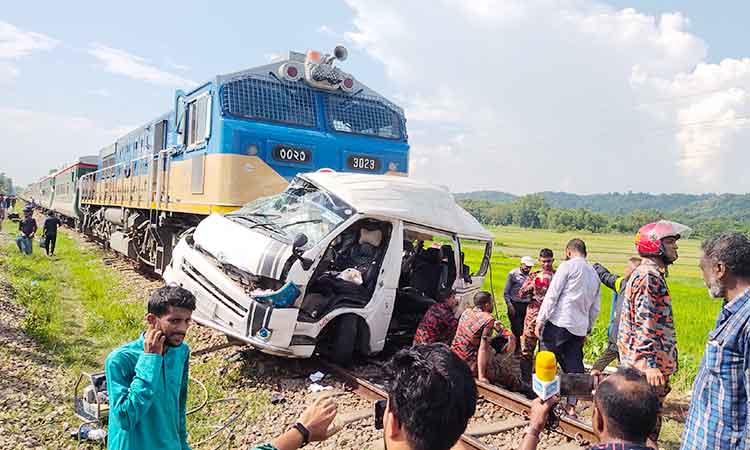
473,261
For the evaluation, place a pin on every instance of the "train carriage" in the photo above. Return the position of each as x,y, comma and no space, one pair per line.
46,191
232,140
58,191
65,182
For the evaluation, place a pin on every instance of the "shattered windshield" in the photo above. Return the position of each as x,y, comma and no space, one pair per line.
301,208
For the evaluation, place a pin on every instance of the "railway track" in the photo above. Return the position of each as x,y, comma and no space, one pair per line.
578,432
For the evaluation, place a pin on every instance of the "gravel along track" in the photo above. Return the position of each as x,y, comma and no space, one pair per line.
492,427
32,407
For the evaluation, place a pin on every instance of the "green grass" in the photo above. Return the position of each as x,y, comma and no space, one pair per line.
75,308
695,312
78,310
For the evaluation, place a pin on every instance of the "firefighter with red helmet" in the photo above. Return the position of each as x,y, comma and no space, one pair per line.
647,339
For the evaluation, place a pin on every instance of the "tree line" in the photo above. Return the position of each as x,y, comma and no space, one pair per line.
533,211
6,184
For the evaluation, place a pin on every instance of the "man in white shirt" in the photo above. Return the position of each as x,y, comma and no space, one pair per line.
569,311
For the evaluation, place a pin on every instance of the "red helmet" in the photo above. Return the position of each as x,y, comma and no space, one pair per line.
648,239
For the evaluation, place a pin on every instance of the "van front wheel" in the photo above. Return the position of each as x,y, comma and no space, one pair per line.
344,340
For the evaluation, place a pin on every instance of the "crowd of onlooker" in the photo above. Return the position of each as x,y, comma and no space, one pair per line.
431,386
555,309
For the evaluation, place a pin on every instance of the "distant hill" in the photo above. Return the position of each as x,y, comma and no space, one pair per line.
490,196
730,206
697,206
617,203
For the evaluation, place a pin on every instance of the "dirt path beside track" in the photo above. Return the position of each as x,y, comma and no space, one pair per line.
33,408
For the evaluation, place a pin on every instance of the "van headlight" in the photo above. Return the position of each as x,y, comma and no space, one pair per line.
264,334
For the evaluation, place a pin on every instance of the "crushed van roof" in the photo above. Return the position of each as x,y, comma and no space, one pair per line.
403,198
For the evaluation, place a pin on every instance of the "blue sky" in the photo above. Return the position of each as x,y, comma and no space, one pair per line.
595,92
189,41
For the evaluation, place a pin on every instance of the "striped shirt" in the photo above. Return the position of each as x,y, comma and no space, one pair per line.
473,326
717,418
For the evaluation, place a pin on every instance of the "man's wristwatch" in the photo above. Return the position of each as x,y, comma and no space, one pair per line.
304,432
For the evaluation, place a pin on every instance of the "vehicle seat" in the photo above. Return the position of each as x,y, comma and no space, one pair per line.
425,276
364,255
448,273
407,264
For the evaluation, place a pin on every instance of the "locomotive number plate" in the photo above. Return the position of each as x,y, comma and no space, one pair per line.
363,162
286,153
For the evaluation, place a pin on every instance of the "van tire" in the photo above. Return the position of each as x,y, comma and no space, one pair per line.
344,340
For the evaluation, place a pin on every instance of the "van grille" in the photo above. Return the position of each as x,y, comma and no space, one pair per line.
218,294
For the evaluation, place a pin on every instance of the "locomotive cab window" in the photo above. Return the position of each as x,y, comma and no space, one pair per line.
198,120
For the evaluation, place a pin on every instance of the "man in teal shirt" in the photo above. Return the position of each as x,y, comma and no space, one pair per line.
147,378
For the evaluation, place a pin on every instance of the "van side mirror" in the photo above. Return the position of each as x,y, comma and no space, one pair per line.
300,241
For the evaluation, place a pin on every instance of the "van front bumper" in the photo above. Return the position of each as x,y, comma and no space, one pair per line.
224,306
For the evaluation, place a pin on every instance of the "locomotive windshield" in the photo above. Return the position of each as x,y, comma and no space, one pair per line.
281,101
362,115
301,208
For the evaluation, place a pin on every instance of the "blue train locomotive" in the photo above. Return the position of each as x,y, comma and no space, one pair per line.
232,140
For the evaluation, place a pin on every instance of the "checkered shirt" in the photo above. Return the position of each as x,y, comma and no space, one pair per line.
718,410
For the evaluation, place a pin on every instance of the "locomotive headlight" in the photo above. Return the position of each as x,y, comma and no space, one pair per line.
291,71
347,83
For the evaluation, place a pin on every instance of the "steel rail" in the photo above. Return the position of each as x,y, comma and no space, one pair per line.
368,390
580,431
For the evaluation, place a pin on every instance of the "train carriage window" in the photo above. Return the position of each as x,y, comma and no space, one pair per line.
198,122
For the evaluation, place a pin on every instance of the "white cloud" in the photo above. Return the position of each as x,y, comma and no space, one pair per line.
29,132
16,44
121,62
325,29
528,95
711,120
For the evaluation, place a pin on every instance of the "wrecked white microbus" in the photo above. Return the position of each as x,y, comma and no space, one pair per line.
336,264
